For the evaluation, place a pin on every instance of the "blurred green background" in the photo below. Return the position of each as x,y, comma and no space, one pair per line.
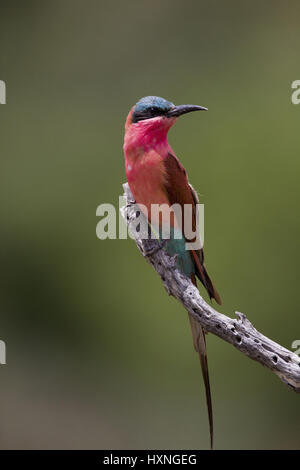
98,355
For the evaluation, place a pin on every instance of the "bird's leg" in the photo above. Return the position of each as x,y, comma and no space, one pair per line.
151,250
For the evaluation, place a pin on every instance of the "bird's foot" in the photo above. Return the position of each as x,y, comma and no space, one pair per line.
149,251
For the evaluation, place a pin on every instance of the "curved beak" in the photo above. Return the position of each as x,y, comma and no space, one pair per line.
183,109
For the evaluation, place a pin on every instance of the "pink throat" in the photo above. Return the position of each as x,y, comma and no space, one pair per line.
150,134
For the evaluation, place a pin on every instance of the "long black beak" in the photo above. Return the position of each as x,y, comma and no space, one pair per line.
183,109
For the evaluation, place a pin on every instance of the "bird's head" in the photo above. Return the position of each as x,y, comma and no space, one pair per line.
152,117
155,110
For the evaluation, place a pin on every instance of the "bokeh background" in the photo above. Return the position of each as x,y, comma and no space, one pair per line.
98,355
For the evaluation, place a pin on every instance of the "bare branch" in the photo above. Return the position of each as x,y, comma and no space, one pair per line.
238,332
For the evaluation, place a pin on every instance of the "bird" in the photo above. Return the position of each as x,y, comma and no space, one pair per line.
156,177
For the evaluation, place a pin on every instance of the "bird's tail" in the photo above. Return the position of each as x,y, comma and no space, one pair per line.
200,347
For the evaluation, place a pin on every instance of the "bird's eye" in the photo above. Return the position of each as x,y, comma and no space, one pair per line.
155,111
148,113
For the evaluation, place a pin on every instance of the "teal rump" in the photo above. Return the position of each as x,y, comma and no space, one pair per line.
176,245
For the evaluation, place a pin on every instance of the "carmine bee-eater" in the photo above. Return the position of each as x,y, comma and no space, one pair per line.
156,177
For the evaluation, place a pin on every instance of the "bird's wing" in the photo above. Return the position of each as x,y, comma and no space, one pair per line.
179,191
